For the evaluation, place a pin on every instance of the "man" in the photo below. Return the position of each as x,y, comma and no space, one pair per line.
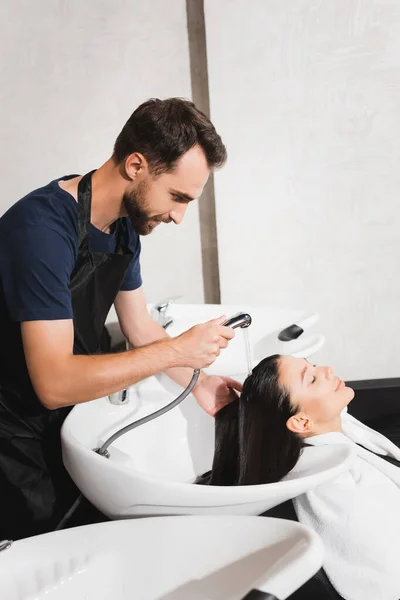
68,251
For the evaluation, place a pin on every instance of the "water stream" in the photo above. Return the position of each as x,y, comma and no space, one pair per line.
247,348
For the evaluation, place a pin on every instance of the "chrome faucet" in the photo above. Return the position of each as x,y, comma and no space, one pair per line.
159,311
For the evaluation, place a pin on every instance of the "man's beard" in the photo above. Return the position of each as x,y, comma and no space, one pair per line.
135,205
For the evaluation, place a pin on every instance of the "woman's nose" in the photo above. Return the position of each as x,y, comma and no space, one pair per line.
178,213
328,372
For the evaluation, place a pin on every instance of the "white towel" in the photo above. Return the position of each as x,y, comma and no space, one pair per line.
357,515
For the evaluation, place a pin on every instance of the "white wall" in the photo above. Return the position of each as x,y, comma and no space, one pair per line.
307,97
71,74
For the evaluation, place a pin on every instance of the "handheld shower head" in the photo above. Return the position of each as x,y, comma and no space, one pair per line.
241,319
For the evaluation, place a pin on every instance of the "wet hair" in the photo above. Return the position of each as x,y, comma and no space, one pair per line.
252,443
164,130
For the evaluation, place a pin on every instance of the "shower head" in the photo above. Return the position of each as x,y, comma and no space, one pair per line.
241,319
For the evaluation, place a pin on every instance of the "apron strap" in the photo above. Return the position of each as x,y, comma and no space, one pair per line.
122,236
84,208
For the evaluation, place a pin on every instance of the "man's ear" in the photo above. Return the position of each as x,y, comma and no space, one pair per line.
136,165
300,424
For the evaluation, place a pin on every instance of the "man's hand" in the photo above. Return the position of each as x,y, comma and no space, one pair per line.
213,392
201,345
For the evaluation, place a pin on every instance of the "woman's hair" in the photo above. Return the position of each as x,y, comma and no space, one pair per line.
252,443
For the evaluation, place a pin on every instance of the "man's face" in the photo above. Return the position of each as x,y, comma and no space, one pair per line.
164,199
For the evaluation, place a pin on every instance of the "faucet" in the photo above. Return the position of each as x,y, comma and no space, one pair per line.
159,311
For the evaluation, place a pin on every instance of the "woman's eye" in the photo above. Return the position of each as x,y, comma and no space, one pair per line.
313,379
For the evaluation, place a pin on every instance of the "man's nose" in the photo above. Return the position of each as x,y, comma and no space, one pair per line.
178,213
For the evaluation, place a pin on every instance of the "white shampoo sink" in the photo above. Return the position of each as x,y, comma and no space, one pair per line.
178,558
151,469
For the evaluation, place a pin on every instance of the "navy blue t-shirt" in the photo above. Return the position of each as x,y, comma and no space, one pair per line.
38,252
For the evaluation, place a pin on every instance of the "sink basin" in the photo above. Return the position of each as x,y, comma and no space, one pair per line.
178,558
151,469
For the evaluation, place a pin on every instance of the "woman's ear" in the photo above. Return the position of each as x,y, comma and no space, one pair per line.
300,424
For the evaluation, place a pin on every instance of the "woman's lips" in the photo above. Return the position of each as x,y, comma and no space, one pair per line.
340,384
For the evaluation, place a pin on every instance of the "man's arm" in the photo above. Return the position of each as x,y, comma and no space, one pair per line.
139,328
35,282
61,378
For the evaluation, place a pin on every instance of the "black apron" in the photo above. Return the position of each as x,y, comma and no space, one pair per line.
35,488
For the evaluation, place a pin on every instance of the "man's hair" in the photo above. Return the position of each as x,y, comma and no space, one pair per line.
164,130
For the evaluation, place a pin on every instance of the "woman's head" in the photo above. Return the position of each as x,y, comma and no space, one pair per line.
317,395
259,437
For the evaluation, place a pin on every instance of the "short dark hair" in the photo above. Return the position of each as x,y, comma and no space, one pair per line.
164,130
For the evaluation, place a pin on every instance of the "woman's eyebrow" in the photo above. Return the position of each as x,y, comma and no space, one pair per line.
303,372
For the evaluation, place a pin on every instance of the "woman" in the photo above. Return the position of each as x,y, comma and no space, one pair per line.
287,403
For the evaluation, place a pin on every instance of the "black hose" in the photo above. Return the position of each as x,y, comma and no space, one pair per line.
103,449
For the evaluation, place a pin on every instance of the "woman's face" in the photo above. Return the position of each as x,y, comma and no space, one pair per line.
317,393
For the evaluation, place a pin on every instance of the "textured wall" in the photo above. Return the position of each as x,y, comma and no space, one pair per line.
307,94
71,74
